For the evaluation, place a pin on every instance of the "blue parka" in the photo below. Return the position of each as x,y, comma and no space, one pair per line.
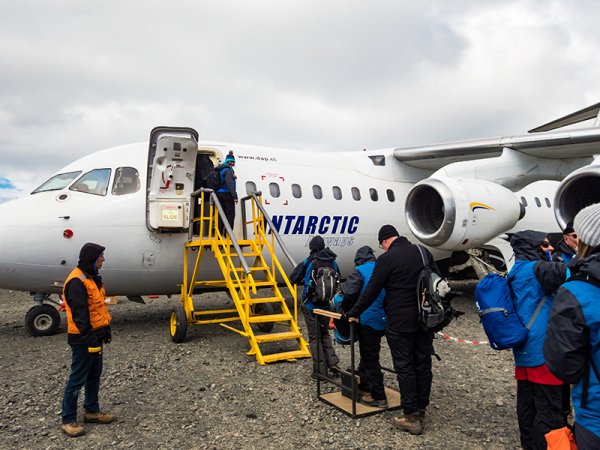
531,279
364,263
573,337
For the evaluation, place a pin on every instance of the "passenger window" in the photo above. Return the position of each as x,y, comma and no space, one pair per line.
355,193
250,187
390,195
337,193
547,202
538,203
57,182
296,191
317,192
524,201
274,190
374,195
94,182
127,181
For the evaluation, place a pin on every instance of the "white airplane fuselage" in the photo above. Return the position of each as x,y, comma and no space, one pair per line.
42,233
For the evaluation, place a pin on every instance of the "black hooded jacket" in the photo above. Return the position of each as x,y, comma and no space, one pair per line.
566,344
396,271
77,298
354,283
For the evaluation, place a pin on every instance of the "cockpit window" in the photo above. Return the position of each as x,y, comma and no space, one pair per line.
94,182
127,181
57,182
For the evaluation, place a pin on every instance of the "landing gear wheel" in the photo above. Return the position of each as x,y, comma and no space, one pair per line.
178,324
264,309
42,320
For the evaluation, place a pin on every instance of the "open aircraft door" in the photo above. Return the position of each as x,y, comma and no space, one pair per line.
171,165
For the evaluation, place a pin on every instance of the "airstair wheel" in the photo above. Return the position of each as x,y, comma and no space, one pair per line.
178,324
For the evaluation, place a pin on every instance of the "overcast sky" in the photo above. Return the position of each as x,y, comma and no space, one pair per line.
79,76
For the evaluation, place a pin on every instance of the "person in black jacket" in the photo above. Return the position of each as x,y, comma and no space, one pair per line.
572,344
227,193
88,326
397,271
320,256
567,246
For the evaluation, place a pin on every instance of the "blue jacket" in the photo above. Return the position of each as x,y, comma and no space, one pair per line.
527,294
374,316
531,279
574,336
227,177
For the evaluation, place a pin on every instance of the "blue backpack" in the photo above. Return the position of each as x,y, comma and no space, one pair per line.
499,318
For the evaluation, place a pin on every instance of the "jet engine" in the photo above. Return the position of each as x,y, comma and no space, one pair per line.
457,214
579,189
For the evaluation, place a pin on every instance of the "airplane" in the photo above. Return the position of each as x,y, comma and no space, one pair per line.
458,199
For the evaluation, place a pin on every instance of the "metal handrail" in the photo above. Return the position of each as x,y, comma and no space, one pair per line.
255,195
215,200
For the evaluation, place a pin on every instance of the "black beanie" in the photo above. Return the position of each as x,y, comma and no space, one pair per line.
386,232
316,244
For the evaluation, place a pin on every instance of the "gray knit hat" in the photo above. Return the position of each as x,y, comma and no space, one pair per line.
587,225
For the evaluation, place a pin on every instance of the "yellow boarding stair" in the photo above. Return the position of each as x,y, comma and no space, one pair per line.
241,279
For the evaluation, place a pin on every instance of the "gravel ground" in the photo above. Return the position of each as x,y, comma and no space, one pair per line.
207,393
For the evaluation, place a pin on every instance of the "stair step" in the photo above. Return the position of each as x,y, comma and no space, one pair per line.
253,268
270,337
286,355
254,301
264,283
270,318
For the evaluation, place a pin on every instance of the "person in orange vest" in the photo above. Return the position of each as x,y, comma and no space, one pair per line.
88,328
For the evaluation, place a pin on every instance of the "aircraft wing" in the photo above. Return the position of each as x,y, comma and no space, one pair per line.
551,144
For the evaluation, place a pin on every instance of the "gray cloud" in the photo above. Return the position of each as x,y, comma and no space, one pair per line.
341,75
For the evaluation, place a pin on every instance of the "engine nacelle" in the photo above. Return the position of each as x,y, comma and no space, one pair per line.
579,189
456,214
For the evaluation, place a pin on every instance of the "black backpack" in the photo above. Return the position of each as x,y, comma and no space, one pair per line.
325,281
213,180
434,298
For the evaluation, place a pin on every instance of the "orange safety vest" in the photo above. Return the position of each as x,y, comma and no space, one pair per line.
99,316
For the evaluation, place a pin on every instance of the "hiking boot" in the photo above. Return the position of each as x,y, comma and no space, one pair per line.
370,401
409,423
72,429
334,371
97,417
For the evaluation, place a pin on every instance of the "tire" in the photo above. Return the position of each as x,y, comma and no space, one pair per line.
178,324
264,309
42,320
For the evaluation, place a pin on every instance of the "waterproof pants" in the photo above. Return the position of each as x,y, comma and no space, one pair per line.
86,369
369,344
411,354
539,410
327,355
228,204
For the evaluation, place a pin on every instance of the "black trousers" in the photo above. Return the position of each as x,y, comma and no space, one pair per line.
411,354
539,410
369,344
228,204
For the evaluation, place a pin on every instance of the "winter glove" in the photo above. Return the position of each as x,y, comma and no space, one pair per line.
108,336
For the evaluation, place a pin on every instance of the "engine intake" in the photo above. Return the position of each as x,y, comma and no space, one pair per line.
456,214
579,189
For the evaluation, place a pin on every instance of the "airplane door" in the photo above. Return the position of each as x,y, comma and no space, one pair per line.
171,164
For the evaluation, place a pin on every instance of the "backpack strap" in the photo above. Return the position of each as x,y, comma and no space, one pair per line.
425,264
491,310
536,312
